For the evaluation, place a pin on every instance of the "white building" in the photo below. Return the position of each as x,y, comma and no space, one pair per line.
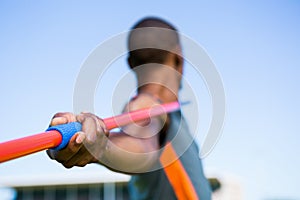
90,186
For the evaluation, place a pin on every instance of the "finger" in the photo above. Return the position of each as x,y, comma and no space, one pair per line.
95,141
82,158
81,136
103,126
91,128
62,118
100,125
58,121
81,117
69,151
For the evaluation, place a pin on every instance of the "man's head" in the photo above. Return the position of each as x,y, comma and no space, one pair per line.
153,40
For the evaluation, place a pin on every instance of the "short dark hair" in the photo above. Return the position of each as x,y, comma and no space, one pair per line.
153,37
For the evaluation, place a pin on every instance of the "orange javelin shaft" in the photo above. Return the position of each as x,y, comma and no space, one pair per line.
59,137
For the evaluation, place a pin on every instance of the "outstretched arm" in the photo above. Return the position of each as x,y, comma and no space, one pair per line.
132,150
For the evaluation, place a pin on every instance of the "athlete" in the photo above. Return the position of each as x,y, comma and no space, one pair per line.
160,152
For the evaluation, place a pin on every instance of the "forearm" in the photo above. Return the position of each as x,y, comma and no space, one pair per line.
127,154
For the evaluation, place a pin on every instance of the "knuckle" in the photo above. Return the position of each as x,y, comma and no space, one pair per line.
67,165
60,114
57,115
82,163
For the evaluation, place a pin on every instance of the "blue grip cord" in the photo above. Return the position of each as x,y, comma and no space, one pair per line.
66,131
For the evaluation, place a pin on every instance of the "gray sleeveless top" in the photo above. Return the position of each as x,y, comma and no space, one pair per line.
157,185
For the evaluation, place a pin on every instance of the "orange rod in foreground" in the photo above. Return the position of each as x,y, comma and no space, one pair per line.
59,137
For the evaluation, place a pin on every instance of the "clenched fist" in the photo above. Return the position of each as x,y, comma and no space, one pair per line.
86,146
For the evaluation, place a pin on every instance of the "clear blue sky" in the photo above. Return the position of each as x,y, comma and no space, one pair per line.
254,45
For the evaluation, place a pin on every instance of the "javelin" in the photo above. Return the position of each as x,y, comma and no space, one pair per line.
57,137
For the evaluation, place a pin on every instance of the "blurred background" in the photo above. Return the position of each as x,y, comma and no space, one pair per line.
255,46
